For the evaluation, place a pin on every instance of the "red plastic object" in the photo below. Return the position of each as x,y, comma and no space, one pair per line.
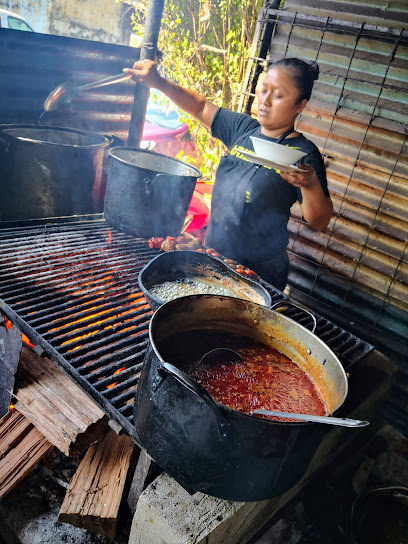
200,206
168,141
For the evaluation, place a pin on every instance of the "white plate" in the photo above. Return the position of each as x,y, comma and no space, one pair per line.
265,162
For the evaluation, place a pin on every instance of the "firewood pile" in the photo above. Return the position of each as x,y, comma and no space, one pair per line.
51,412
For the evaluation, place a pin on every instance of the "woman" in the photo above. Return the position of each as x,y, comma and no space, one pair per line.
251,204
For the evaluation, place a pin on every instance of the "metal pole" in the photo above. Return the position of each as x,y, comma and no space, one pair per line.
263,51
148,51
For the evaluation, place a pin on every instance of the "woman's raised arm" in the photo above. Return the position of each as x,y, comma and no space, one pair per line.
145,71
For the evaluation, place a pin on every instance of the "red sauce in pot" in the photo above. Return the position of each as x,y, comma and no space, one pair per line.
266,379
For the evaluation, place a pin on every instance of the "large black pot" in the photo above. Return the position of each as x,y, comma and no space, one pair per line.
49,171
147,194
211,448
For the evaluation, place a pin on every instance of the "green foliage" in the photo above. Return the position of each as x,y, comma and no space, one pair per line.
205,46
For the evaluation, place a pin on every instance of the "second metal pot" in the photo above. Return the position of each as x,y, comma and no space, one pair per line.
147,194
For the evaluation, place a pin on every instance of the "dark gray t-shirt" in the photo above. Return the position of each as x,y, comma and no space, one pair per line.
251,204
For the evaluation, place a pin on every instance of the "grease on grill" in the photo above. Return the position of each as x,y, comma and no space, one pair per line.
266,379
170,290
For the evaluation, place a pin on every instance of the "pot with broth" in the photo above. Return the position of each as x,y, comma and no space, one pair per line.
176,274
197,285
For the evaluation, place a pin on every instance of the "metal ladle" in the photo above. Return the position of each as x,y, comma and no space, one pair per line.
342,421
220,355
64,93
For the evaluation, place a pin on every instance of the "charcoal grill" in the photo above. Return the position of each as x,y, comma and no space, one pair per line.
70,285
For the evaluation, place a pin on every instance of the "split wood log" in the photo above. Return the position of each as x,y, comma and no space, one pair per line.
95,492
21,447
58,407
146,471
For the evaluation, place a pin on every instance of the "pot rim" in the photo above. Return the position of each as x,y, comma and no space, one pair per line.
195,171
164,307
103,143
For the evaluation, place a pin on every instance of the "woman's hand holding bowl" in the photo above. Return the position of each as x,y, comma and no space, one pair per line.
306,179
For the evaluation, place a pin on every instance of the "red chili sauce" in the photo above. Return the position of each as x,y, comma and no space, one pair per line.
266,379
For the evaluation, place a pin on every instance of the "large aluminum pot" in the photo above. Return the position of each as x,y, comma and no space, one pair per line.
147,194
214,449
49,171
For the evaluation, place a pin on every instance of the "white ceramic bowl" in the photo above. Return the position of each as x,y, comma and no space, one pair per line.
278,153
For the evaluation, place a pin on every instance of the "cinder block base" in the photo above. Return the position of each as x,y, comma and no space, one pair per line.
167,514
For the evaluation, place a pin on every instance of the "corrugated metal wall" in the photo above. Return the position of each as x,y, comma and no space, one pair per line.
32,65
358,117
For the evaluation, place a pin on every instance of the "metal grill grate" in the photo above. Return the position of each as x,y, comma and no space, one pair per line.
71,287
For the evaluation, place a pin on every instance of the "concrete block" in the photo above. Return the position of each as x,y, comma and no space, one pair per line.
167,514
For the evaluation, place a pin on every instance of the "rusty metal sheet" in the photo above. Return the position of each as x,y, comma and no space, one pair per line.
33,64
358,117
382,13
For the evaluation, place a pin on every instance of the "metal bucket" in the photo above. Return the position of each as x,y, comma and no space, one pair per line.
380,515
49,171
147,194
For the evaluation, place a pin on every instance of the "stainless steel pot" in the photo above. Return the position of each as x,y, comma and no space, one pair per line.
209,447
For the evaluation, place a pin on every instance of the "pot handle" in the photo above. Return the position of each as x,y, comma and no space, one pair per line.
198,390
185,380
5,142
290,303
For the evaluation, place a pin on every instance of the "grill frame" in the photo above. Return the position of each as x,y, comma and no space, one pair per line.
117,402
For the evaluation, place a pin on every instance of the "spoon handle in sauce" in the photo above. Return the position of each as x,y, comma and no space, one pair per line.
342,421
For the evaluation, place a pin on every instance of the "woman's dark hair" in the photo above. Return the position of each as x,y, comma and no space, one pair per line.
303,74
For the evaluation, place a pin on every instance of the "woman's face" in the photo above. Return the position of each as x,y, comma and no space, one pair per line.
278,103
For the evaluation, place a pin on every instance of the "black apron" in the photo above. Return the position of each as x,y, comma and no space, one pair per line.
228,202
